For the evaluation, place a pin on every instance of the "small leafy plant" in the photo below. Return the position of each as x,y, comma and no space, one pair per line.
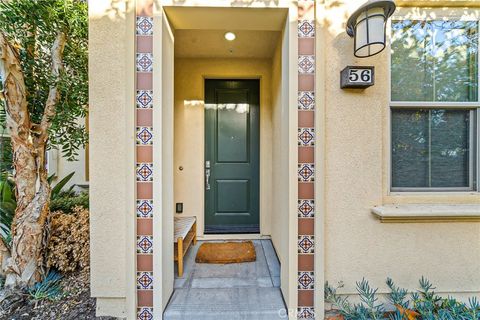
423,304
49,288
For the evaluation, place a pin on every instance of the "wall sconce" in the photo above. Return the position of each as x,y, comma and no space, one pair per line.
367,26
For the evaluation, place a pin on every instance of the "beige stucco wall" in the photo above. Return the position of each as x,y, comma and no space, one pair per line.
112,140
189,130
356,170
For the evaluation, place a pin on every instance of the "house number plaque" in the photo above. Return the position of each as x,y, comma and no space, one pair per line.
357,77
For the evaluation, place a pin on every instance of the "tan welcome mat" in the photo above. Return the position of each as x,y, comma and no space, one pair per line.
226,252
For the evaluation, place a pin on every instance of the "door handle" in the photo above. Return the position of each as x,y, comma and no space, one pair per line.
207,179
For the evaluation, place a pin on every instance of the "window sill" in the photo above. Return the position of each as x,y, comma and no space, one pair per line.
410,213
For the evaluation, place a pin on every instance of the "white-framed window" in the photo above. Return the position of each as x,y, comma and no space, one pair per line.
434,105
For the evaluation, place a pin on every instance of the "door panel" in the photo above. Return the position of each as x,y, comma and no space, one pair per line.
232,151
232,130
228,205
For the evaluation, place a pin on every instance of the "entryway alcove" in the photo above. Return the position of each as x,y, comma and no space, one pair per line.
232,130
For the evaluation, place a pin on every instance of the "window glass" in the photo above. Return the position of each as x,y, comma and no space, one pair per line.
431,148
434,61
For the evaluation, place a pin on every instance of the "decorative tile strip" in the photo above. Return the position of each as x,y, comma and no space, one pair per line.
144,151
306,158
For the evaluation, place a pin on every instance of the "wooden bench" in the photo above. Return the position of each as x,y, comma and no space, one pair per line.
185,235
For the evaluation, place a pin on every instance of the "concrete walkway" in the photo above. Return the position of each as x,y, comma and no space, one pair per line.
231,291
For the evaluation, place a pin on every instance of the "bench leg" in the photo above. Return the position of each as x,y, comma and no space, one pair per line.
195,233
180,256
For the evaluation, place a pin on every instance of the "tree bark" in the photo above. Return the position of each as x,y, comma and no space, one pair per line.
29,141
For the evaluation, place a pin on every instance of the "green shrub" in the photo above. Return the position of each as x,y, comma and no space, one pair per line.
67,201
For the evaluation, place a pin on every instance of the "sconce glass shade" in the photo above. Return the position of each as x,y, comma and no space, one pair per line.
367,26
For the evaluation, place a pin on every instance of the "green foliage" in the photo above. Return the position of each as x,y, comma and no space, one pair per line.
59,198
6,154
431,306
8,204
66,202
49,288
59,186
425,302
33,26
397,295
368,309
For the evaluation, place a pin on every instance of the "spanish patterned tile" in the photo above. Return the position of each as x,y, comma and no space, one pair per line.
306,172
145,26
144,313
306,208
144,171
306,313
145,208
144,244
306,137
306,64
306,244
305,280
306,29
144,99
144,62
306,100
145,135
145,280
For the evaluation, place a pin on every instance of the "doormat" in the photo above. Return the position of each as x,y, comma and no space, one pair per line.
226,252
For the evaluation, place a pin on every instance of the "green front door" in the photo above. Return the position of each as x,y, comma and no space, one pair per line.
232,156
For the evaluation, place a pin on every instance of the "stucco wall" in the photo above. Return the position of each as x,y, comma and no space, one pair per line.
111,30
356,166
189,130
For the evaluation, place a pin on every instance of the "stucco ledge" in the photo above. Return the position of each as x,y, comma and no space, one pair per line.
413,213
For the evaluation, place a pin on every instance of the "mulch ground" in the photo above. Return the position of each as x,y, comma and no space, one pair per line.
75,303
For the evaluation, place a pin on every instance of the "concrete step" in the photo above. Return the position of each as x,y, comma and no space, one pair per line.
226,303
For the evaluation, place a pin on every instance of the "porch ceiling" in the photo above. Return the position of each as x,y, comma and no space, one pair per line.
212,44
216,18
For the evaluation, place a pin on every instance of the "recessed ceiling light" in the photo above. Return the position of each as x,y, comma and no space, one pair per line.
230,36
